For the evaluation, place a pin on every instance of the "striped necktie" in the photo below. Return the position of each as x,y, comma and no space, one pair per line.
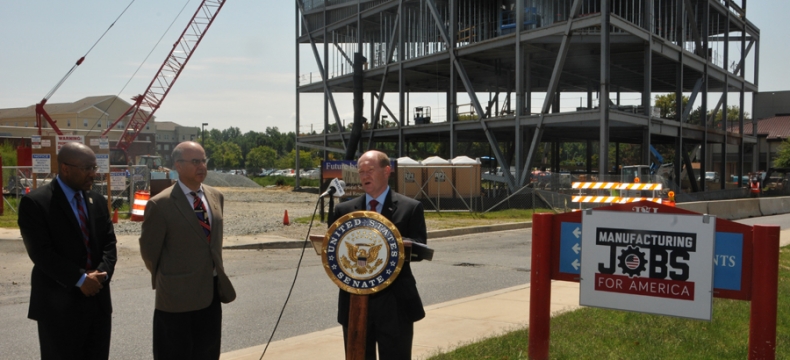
201,213
83,220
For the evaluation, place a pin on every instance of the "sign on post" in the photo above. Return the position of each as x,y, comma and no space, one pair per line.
103,162
652,263
42,163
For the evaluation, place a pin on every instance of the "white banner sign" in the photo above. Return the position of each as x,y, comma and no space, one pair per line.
646,262
35,141
117,181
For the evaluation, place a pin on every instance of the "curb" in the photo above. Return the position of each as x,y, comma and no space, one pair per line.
435,234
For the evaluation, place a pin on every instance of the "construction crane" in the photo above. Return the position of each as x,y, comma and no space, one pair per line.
146,104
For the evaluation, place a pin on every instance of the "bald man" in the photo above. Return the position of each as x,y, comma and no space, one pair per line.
68,234
181,245
393,311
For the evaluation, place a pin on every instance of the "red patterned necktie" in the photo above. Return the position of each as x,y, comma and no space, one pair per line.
200,211
373,204
83,220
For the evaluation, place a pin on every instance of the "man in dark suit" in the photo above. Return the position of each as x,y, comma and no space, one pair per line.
181,245
69,236
393,311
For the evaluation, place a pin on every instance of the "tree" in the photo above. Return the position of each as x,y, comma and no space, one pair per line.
306,160
227,155
668,105
783,155
261,157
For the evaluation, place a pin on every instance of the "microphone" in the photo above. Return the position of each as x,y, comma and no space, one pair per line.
336,188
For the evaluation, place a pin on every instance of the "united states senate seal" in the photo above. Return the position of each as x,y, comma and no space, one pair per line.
363,252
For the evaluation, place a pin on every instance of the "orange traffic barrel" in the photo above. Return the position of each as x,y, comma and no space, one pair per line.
138,207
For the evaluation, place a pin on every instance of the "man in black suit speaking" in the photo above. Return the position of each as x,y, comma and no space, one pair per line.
69,235
393,311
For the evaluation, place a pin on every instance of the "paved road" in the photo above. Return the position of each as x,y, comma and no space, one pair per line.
462,266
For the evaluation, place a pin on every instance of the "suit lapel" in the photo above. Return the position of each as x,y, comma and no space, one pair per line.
390,205
181,202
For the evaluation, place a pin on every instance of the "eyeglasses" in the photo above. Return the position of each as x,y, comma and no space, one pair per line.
89,168
195,162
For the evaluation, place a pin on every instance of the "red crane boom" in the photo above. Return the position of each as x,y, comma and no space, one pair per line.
145,105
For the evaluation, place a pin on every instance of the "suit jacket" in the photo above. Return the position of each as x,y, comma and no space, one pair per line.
54,242
176,252
408,216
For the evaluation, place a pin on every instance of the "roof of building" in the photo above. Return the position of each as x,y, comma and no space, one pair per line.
773,128
61,108
166,126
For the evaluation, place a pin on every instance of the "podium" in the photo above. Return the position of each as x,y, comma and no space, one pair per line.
363,253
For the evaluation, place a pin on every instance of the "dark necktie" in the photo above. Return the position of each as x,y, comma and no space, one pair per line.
83,220
200,211
373,204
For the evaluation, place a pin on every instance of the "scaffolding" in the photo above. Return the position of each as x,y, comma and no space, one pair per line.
524,55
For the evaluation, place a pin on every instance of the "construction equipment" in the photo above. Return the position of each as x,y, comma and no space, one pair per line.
146,104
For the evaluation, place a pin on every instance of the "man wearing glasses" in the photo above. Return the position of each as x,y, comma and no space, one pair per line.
69,236
393,311
181,245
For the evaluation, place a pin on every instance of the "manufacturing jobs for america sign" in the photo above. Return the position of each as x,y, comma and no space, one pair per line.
652,263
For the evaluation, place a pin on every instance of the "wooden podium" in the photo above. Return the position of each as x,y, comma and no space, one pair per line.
363,253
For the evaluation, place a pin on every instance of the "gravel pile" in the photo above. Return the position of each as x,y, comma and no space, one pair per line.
256,210
217,179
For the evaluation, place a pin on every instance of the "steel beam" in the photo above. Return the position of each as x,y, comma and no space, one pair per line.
472,96
551,90
375,121
327,91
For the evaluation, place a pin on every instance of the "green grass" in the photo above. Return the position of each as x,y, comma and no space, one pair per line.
593,333
9,217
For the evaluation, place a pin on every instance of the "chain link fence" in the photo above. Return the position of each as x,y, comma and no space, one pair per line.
124,182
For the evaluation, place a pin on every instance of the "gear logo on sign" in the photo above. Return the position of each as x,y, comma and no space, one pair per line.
632,261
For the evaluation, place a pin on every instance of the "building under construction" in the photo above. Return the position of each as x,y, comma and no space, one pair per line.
503,65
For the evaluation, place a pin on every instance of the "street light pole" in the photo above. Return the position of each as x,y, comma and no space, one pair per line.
203,134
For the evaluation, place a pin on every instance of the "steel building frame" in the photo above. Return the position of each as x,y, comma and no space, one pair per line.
514,49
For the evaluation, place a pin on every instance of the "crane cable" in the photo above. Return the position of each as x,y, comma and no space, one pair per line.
79,62
141,65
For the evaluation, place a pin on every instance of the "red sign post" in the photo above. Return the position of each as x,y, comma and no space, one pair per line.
758,279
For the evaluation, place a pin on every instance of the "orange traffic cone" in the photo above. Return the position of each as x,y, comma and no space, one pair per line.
115,216
285,219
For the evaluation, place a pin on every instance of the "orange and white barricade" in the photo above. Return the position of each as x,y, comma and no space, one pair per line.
138,206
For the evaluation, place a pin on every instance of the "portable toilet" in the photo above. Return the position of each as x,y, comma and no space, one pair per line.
410,177
439,175
467,176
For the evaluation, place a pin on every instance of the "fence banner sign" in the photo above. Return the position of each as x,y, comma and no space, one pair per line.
42,163
35,141
103,162
118,181
63,139
648,262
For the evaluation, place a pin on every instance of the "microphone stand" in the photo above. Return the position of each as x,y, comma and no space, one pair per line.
329,215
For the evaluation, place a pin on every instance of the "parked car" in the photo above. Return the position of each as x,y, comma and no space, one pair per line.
265,172
310,174
284,172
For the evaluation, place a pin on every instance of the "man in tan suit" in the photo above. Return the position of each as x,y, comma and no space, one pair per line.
181,245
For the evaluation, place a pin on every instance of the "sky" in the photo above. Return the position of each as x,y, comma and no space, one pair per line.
241,75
